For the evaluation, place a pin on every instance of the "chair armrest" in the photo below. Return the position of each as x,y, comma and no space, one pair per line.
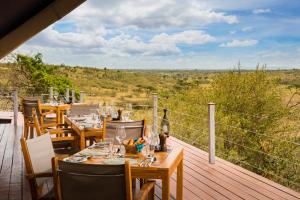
60,130
39,175
144,191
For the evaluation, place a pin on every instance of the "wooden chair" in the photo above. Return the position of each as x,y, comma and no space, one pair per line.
29,103
83,109
133,129
73,181
64,141
48,118
37,154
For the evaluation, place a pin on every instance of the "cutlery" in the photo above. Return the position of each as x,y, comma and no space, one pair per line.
152,159
142,162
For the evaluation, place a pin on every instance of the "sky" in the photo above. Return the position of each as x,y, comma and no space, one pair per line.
174,34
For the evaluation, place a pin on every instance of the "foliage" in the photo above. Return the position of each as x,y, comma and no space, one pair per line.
250,115
35,77
250,122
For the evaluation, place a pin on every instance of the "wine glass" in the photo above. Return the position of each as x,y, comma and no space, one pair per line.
154,144
147,138
120,135
110,144
129,110
55,97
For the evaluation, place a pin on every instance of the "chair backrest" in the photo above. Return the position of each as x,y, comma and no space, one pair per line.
83,109
75,181
133,129
37,125
28,104
37,154
59,135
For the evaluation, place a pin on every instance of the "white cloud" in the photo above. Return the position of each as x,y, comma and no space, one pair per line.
147,14
247,28
192,37
239,43
261,11
121,44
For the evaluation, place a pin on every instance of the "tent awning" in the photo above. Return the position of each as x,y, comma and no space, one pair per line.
20,20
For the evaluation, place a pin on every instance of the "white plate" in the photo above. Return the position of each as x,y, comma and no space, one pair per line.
94,152
75,159
119,161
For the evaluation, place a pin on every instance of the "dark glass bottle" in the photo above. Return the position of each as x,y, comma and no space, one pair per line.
165,124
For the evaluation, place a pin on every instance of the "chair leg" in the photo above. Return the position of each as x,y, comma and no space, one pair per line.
142,181
25,134
133,183
31,132
151,194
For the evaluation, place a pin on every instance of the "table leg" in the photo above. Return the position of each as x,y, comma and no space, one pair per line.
179,187
62,117
82,141
166,187
58,117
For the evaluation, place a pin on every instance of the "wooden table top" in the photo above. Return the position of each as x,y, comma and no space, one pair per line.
77,127
164,160
60,106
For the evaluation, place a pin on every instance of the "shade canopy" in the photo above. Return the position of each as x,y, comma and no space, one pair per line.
20,20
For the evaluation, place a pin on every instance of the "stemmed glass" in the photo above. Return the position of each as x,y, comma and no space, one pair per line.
110,144
55,97
120,136
147,138
129,110
152,141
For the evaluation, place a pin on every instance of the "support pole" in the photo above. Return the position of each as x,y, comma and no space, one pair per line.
16,105
212,129
73,96
68,95
81,97
155,113
51,94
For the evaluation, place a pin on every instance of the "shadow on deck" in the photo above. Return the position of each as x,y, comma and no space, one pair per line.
202,180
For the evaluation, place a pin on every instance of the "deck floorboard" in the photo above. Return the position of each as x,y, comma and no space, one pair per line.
202,180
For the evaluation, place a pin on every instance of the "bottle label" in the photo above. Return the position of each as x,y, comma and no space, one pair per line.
165,128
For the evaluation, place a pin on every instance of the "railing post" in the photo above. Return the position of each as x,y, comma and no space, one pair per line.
16,104
211,121
50,94
81,96
73,96
68,95
155,113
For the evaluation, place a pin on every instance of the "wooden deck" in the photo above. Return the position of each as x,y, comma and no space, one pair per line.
202,180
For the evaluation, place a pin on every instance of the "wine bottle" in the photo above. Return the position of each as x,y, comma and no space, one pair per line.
165,125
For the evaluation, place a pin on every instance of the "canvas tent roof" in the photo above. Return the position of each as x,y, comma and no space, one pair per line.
22,19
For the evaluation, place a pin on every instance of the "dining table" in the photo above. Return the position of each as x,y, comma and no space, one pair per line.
165,164
79,127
